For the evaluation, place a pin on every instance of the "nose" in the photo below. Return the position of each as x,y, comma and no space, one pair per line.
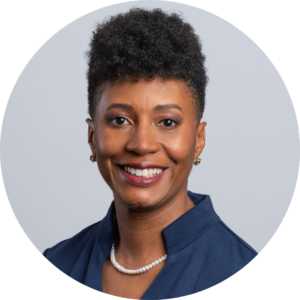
142,140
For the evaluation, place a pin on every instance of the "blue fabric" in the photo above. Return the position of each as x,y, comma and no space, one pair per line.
202,251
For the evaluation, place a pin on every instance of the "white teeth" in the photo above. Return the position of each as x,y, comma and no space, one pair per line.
143,172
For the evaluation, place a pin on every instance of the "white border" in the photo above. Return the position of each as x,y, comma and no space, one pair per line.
27,25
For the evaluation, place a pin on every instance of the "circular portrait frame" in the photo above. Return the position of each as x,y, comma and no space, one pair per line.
13,164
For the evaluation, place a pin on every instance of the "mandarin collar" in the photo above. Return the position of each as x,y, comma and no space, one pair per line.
177,235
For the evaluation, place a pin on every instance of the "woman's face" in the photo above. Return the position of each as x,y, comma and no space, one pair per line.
149,127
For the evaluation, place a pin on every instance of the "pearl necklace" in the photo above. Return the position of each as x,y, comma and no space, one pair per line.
137,271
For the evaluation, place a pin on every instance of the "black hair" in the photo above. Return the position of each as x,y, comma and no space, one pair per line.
144,44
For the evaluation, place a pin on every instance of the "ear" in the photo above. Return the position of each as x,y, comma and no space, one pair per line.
91,135
200,139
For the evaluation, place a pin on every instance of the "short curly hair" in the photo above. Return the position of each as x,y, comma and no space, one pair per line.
144,44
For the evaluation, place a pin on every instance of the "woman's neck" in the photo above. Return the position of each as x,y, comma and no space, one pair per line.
140,240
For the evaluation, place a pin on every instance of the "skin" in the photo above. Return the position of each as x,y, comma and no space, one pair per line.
144,135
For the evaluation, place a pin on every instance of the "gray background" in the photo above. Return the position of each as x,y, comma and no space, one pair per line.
249,165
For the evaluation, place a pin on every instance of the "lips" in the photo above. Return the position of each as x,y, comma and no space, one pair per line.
142,165
142,174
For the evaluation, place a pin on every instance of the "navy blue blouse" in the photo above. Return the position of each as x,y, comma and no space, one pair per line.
202,251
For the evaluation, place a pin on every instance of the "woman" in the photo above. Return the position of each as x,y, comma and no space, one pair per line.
146,92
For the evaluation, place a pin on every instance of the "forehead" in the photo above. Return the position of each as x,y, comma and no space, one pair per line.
146,94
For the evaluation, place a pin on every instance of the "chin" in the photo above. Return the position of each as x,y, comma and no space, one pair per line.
140,201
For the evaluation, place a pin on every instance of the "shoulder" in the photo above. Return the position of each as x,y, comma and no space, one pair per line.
216,255
235,239
226,250
65,254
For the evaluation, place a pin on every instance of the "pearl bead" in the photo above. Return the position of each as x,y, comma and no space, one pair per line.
138,271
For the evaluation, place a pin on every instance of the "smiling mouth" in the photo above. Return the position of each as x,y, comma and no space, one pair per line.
144,173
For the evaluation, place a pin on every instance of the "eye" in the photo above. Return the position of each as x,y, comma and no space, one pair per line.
168,122
120,121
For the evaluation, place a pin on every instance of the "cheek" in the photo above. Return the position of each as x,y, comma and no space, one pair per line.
108,145
181,147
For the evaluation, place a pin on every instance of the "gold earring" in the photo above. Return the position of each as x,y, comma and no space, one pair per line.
93,157
197,161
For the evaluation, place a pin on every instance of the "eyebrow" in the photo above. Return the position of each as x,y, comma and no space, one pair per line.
130,108
166,106
120,105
